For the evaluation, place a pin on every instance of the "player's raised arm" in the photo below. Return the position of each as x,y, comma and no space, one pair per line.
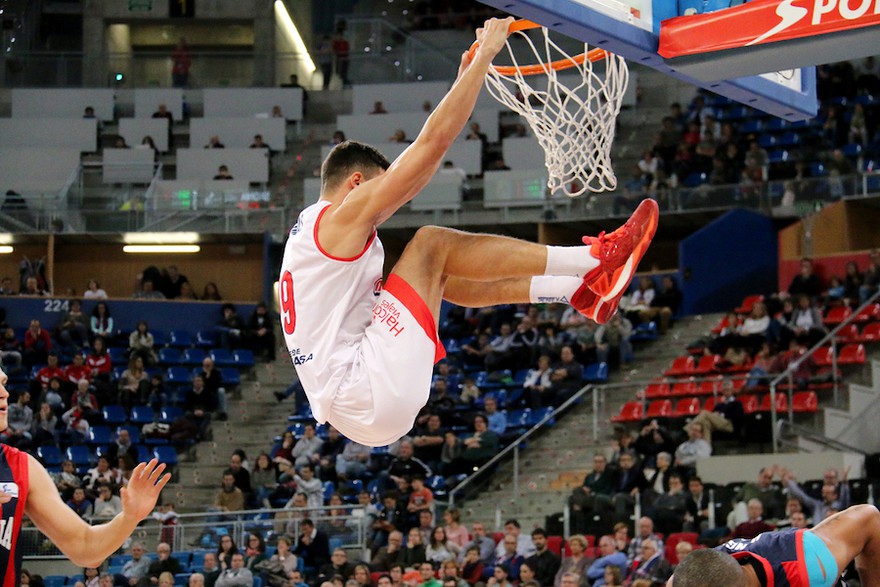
376,200
84,545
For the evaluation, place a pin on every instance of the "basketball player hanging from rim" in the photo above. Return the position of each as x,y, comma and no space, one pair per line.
364,352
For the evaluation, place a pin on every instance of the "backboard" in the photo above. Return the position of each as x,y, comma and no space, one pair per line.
631,28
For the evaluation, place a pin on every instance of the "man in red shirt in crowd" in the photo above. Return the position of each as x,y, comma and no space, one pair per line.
76,371
40,383
37,344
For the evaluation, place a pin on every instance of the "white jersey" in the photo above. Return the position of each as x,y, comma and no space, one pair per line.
326,304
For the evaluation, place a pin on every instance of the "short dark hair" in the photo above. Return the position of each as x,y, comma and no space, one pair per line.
307,522
707,567
348,157
513,521
539,532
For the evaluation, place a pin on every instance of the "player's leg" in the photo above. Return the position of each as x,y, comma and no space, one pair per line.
605,265
854,534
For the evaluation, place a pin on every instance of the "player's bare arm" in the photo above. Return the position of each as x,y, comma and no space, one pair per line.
85,545
370,201
854,534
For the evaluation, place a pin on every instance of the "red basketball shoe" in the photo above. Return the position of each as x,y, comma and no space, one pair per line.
619,254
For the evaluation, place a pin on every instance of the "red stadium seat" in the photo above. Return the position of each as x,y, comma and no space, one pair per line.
681,367
781,403
804,402
657,388
749,303
852,354
849,333
629,412
871,332
685,388
710,386
721,325
836,315
659,408
823,356
710,404
750,403
689,406
870,313
707,365
554,544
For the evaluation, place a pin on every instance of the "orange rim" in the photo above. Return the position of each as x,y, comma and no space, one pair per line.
539,68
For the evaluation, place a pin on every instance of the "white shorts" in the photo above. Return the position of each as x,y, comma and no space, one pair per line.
390,380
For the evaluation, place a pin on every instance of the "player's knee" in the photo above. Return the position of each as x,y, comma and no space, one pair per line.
429,236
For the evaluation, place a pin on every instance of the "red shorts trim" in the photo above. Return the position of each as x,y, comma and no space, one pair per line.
328,255
400,289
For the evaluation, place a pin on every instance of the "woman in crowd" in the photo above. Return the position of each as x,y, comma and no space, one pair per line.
576,563
414,553
94,291
456,532
440,549
255,552
134,384
264,479
141,344
211,292
101,322
225,549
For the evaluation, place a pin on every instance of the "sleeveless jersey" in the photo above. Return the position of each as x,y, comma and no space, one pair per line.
326,304
13,480
781,554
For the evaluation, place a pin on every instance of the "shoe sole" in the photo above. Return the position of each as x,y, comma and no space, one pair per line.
621,281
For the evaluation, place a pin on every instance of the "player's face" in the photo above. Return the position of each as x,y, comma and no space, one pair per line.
4,399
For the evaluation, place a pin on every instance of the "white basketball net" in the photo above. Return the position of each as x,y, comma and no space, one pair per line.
574,123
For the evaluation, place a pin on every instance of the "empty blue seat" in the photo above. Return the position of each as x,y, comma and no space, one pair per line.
244,359
180,339
144,453
118,355
80,456
165,454
178,376
222,357
789,139
49,456
329,489
142,415
100,435
852,150
192,356
231,377
596,373
646,331
206,339
114,415
159,339
169,414
169,356
55,580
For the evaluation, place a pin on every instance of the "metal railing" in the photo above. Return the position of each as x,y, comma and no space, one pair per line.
788,374
347,526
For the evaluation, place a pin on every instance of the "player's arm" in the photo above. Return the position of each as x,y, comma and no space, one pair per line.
374,201
854,534
84,545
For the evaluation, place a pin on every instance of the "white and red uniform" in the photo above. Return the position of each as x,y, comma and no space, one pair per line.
364,354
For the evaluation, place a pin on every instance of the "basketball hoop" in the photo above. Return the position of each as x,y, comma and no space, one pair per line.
573,122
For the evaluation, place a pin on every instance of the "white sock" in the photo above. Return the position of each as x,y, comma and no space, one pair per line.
575,261
548,289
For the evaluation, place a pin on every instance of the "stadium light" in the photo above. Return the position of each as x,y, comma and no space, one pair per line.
161,248
282,17
160,238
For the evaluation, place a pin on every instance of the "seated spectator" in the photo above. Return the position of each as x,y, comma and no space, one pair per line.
630,481
763,366
32,287
231,328
261,332
664,306
697,517
307,449
726,416
692,450
608,556
806,322
106,504
101,473
198,405
806,282
640,300
475,352
539,384
94,291
259,144
390,554
426,571
752,333
575,565
44,429
415,552
428,441
652,440
237,575
141,344
614,336
37,344
11,357
500,577
378,108
763,490
792,506
594,494
134,568
20,421
399,136
472,568
264,479
73,327
101,322
483,543
211,292
755,523
313,545
79,503
650,564
477,449
223,174
255,551
497,420
670,508
148,291
797,353
567,376
644,532
440,549
134,385
510,559
40,383
214,143
820,509
289,563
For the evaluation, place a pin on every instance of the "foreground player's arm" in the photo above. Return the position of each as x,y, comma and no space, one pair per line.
375,201
84,545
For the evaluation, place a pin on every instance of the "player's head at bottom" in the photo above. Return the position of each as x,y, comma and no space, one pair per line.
708,568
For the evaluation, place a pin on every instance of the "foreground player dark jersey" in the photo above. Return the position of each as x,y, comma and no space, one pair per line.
13,481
